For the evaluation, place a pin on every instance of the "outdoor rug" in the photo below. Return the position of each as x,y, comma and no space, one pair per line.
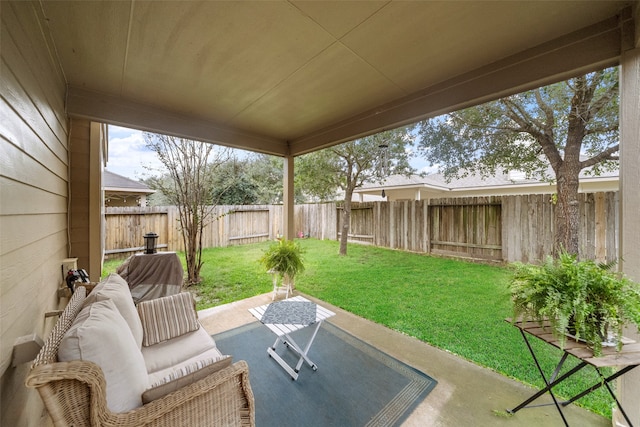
355,384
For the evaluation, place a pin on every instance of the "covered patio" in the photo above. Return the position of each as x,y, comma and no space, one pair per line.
283,78
466,394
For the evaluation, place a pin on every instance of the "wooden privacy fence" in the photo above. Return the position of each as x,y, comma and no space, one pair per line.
498,228
468,227
528,227
126,226
229,225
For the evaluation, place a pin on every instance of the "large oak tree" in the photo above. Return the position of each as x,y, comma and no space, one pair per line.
570,126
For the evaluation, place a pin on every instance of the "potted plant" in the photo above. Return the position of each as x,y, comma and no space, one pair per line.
584,299
284,258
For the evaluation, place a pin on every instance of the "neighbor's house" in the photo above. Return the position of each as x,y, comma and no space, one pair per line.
222,72
120,191
433,186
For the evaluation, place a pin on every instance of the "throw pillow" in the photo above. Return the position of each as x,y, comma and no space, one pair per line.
184,376
101,335
167,317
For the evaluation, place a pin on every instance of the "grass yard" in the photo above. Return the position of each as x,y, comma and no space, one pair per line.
454,305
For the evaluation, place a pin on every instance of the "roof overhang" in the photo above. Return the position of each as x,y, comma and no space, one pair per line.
587,183
291,77
127,191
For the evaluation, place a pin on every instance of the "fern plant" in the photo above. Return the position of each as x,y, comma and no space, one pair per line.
584,298
285,257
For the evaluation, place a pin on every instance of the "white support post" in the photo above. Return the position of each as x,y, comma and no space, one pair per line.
288,199
629,384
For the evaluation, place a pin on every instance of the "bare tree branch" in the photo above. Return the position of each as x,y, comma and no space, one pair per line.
546,109
603,101
594,130
516,113
602,156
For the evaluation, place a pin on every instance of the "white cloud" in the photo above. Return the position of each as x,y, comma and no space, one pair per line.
129,155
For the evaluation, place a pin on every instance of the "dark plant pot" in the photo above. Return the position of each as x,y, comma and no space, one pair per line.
571,330
605,338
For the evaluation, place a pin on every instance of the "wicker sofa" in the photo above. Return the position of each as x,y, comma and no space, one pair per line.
88,372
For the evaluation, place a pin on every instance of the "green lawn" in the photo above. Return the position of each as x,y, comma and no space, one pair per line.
454,305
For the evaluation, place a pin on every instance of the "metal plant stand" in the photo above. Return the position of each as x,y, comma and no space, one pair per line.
627,359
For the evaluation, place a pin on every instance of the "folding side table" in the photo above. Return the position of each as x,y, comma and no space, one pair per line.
627,359
287,316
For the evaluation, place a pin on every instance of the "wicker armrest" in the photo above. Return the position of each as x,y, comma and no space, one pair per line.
74,394
228,391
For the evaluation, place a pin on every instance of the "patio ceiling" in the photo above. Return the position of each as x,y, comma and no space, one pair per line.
290,77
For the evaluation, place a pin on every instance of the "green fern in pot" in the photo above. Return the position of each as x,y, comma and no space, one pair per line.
583,298
285,257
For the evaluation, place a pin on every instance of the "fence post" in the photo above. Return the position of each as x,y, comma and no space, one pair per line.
426,236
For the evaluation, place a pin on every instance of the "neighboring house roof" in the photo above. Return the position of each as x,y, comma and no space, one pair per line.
114,183
436,185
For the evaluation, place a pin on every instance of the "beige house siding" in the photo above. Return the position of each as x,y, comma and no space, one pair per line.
33,187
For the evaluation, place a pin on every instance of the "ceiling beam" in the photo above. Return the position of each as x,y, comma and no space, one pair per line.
117,111
585,50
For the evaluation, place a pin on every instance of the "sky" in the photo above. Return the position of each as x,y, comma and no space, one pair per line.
130,157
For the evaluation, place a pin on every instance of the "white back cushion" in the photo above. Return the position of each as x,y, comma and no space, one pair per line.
101,335
116,289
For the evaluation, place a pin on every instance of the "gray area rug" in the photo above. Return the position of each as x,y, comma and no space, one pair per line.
355,384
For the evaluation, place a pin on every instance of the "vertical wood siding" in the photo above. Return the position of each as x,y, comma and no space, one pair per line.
33,184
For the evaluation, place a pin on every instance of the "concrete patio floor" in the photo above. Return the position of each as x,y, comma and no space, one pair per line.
466,394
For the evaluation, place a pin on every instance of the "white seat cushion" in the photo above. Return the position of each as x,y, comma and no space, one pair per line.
116,289
177,350
185,375
101,335
157,376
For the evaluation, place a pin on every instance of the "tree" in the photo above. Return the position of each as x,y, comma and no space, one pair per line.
233,186
570,126
266,172
349,165
158,182
191,167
